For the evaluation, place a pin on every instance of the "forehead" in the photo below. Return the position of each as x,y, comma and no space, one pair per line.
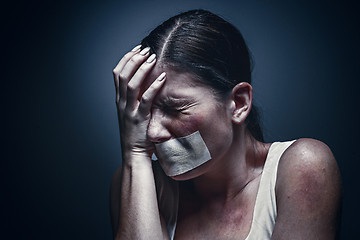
177,84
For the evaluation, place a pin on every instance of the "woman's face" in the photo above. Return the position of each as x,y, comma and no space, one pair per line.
184,106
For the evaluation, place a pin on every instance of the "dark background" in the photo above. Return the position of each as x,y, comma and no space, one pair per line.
60,133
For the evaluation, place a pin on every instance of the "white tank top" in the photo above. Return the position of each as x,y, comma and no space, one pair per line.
265,210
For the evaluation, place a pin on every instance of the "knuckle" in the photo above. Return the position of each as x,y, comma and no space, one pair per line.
128,55
131,87
142,70
134,60
131,116
145,99
122,76
121,104
152,89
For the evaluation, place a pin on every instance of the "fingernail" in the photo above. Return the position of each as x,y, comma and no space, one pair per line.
151,58
145,51
162,77
137,48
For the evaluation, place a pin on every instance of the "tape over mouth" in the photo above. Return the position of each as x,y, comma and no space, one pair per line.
180,155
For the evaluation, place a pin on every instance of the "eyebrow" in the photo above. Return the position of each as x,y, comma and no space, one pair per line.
173,101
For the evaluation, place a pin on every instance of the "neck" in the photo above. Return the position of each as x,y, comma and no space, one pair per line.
230,175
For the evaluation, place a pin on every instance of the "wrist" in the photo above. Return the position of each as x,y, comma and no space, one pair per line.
134,159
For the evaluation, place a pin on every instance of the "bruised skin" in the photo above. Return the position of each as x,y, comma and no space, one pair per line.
220,200
184,106
196,101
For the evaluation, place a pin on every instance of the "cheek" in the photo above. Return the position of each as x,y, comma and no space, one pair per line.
186,125
217,134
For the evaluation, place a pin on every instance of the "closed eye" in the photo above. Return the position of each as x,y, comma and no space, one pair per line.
175,106
173,109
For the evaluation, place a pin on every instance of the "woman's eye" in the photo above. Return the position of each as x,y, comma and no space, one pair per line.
173,110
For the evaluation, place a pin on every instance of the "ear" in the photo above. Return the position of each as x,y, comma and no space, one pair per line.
241,96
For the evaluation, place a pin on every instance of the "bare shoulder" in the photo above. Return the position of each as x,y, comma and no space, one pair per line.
308,191
308,157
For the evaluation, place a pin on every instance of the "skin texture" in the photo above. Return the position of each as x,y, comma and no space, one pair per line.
137,186
308,192
216,199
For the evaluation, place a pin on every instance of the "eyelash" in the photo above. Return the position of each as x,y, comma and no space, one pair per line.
173,109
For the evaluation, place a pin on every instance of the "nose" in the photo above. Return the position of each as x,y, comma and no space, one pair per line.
157,131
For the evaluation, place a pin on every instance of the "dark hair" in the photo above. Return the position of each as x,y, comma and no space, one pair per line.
212,49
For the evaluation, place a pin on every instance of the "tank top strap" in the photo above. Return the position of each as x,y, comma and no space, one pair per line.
265,210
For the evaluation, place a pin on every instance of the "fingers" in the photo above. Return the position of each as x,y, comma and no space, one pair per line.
134,85
129,75
129,69
150,93
120,66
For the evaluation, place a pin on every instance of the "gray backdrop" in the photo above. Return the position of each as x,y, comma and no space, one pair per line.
60,126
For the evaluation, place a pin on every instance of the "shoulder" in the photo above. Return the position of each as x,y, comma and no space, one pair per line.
308,166
308,153
308,188
308,159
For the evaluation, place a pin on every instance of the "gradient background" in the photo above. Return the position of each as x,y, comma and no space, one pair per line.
60,133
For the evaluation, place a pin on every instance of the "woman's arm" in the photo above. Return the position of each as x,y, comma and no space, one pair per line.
115,197
308,193
137,215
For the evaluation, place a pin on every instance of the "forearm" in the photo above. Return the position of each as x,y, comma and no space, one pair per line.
139,213
139,216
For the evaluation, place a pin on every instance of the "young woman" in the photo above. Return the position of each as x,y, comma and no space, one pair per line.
184,95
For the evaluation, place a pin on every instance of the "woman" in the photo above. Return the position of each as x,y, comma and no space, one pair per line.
185,95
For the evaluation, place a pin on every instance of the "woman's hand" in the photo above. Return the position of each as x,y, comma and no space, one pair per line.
134,109
133,193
